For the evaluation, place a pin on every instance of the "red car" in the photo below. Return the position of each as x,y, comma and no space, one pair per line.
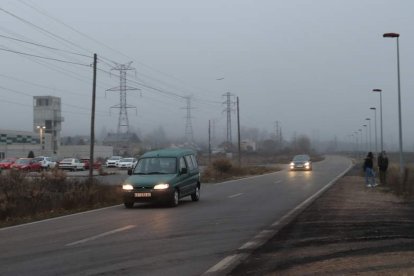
96,165
26,164
6,163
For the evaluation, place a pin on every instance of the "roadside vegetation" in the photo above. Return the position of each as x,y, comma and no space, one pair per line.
403,188
224,169
25,199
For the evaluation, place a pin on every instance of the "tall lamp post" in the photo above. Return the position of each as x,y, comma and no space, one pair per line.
360,135
396,35
369,122
42,142
380,93
375,128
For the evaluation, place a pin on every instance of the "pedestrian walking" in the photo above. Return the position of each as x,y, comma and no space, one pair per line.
382,167
369,170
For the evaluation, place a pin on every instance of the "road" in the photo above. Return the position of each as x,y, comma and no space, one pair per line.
151,240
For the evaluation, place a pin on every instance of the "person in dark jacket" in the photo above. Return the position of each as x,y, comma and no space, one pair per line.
369,170
382,167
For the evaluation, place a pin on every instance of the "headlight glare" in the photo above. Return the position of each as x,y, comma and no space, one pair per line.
161,186
127,187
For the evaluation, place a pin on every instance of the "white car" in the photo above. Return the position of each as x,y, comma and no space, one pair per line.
127,163
72,164
45,162
113,161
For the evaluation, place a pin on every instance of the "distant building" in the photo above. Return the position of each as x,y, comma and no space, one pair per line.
47,121
248,145
18,143
124,144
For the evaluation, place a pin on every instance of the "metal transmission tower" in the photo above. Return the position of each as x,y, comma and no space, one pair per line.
228,102
188,126
123,123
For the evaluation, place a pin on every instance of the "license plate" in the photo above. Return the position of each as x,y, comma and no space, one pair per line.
142,194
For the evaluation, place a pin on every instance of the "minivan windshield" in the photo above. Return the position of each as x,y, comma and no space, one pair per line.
156,165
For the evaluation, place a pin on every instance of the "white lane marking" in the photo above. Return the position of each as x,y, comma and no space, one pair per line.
101,235
236,195
223,264
265,235
278,181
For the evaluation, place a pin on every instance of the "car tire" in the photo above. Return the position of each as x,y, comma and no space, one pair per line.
196,195
129,204
175,198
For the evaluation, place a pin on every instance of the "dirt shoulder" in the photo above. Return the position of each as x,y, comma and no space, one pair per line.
349,230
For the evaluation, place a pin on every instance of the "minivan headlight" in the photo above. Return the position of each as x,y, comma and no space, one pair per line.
127,187
161,186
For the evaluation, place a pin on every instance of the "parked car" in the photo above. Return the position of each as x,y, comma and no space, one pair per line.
127,163
7,162
26,164
96,165
113,161
163,176
45,162
72,164
301,162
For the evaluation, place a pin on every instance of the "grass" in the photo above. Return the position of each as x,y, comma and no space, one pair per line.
223,169
25,199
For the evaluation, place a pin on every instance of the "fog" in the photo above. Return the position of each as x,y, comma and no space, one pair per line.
310,65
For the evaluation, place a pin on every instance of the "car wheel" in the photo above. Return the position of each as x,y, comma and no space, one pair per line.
129,204
175,198
196,195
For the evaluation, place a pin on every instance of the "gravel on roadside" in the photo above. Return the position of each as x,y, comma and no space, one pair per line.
350,230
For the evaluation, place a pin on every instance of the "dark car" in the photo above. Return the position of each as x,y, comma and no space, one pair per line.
301,162
163,176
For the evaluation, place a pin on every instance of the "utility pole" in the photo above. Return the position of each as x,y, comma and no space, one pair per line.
238,132
188,125
209,141
91,151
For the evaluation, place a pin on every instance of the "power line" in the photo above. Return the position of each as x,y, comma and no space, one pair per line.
43,57
42,29
44,13
43,46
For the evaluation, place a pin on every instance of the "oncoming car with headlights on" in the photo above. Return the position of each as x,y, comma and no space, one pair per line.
301,162
163,176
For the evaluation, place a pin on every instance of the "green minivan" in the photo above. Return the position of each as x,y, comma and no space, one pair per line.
164,176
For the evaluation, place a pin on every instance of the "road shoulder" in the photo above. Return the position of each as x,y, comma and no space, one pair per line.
350,229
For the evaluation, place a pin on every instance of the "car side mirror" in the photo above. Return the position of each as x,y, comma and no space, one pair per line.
129,171
183,171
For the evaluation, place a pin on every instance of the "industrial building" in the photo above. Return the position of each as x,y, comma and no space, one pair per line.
46,135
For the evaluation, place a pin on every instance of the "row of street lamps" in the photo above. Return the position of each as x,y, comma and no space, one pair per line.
401,160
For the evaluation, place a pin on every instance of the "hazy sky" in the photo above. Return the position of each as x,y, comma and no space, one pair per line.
311,65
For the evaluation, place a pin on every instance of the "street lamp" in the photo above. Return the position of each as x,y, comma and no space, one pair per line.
375,114
369,122
380,93
366,136
42,142
395,35
360,134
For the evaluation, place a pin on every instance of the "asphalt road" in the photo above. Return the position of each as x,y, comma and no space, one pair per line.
152,240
